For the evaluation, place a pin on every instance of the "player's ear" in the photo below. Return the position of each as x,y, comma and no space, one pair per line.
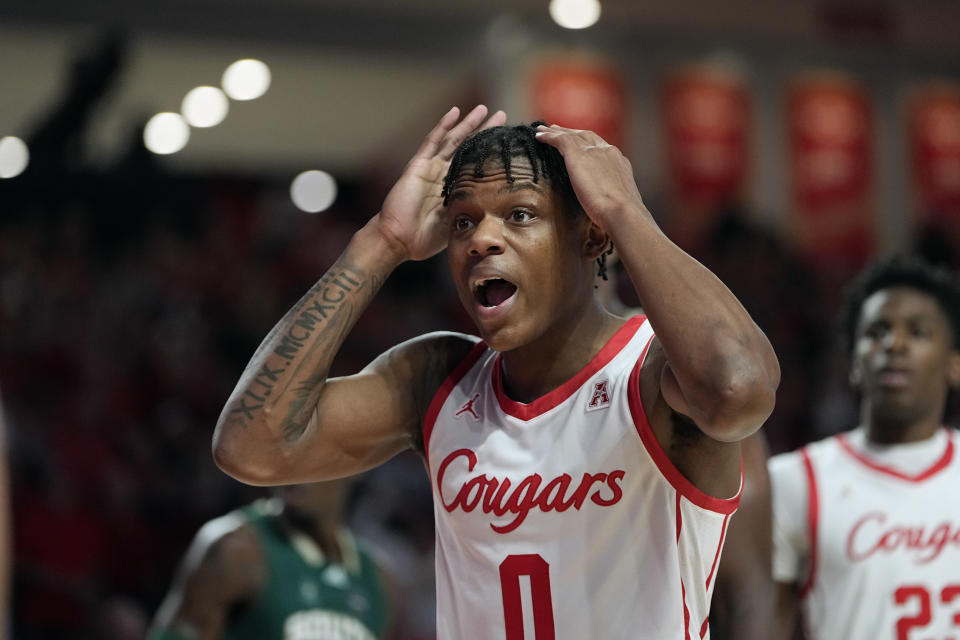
595,240
953,369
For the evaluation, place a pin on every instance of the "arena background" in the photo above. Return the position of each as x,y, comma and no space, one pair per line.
135,286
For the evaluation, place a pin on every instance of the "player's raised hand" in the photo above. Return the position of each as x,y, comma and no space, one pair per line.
601,176
412,217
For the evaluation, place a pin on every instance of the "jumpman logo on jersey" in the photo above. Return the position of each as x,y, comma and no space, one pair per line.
468,408
601,396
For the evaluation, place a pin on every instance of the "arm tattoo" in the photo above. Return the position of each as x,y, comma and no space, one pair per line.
307,389
318,322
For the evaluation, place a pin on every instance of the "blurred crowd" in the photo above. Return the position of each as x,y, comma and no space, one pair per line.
129,303
122,331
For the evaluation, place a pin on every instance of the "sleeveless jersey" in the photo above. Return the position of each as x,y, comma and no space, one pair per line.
563,518
875,550
306,597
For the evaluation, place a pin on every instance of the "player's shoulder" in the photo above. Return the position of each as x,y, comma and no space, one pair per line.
231,537
428,358
436,345
792,463
448,343
785,465
228,555
215,530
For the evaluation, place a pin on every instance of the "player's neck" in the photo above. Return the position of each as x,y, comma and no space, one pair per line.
886,430
606,292
534,370
322,531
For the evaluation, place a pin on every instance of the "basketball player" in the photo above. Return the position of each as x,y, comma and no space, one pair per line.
867,523
580,465
280,568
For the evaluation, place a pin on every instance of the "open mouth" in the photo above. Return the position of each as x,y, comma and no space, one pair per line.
894,377
493,292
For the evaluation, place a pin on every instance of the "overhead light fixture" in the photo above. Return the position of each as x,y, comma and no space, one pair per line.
246,79
204,107
313,191
575,14
14,156
166,133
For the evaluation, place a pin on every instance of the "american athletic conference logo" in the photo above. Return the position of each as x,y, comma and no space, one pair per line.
600,397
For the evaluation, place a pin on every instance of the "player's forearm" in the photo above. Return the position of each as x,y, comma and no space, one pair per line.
270,408
721,361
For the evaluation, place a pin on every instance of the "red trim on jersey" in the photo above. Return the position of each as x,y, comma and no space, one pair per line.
716,557
670,472
704,627
937,467
444,392
546,402
679,516
813,515
683,589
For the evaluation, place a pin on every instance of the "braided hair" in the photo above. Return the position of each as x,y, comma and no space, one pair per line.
502,144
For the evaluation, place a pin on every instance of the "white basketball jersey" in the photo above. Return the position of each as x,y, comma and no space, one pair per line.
880,547
563,518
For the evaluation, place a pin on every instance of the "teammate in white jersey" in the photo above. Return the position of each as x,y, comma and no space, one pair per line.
583,470
867,523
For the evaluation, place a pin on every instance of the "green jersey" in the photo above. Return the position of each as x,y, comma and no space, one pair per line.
306,596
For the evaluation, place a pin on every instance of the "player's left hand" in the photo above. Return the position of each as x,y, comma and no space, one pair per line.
601,176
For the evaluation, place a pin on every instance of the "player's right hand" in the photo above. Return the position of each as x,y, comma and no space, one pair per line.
413,218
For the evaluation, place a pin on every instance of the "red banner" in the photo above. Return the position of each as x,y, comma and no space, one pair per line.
934,122
706,114
830,132
582,94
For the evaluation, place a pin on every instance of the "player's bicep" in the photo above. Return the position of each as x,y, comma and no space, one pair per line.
659,386
362,420
365,419
711,466
671,392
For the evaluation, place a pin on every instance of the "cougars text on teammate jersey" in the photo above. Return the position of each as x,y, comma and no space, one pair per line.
877,532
